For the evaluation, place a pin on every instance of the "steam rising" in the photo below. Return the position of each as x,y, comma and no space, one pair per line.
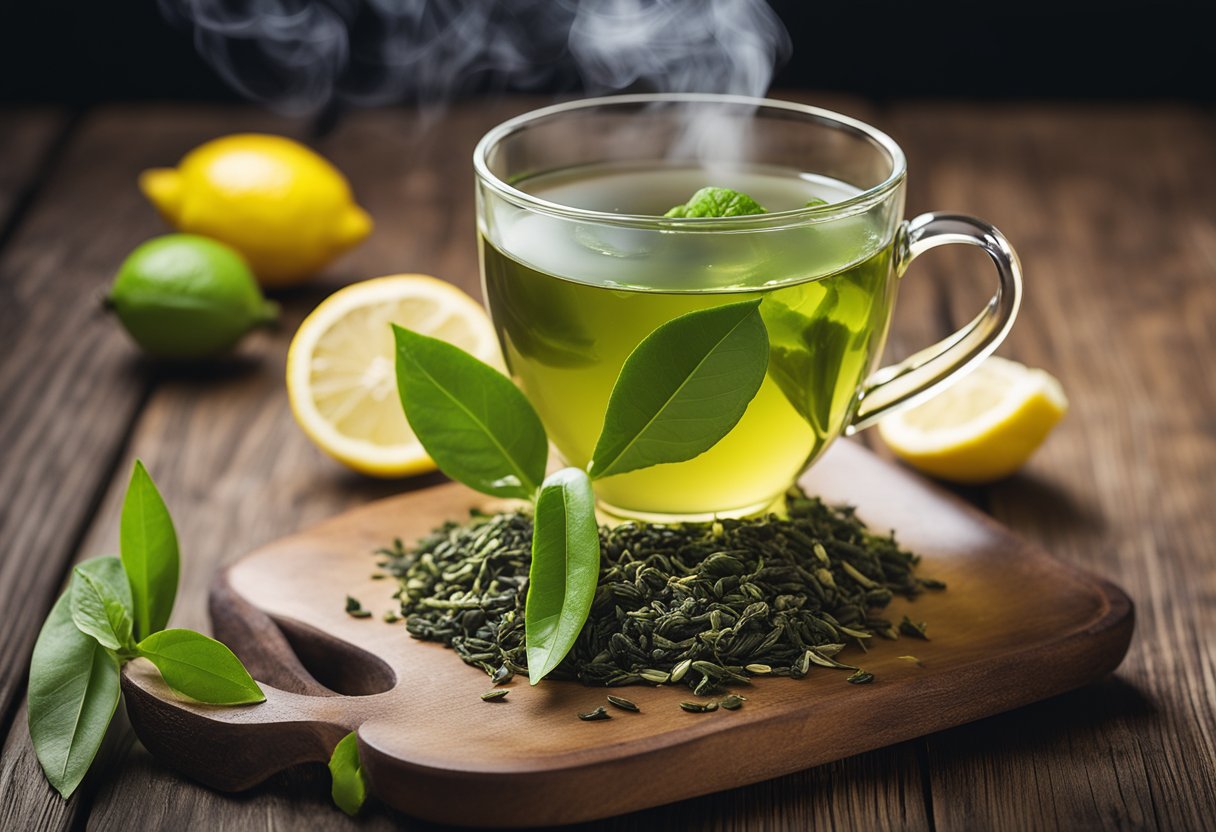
300,56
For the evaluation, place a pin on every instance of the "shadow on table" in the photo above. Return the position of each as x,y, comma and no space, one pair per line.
257,349
365,489
202,372
819,797
1024,494
1107,707
1050,503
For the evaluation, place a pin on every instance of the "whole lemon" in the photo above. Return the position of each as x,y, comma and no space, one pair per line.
185,296
282,206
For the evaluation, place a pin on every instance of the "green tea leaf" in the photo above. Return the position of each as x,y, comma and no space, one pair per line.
73,692
717,202
683,388
100,597
148,545
565,569
477,426
349,788
201,668
807,355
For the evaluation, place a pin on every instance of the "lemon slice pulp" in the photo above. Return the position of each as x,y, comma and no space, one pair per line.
982,428
341,367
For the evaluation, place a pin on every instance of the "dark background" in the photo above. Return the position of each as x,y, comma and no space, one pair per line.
85,51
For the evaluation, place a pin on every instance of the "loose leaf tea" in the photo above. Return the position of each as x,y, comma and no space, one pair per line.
911,628
733,702
354,608
708,605
623,703
472,420
683,388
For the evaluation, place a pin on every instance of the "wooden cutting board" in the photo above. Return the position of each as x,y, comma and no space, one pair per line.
1015,626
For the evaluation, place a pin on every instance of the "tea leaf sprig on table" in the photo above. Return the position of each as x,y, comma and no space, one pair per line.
115,610
682,389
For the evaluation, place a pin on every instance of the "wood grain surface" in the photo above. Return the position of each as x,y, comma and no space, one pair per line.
1111,210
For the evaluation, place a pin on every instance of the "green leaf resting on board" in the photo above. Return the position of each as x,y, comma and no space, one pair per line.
73,691
565,569
349,788
201,668
100,597
717,202
148,545
473,421
683,388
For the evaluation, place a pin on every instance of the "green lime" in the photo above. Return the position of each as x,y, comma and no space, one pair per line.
185,296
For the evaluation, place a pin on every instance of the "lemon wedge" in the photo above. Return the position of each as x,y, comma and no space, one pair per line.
341,367
982,428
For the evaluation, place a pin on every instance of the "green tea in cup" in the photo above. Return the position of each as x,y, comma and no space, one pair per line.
579,265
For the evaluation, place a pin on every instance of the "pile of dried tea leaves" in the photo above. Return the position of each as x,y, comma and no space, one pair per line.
707,604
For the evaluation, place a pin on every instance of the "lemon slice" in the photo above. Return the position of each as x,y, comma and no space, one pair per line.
341,367
982,428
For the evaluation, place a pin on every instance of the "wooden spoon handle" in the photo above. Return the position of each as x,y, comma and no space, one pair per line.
236,748
258,642
233,748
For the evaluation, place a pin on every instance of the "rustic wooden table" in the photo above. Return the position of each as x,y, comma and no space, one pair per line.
1113,209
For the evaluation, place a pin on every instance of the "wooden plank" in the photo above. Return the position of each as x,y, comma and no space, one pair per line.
1112,211
237,473
27,140
71,385
27,137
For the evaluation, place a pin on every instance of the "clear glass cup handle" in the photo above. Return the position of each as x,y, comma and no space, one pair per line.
918,377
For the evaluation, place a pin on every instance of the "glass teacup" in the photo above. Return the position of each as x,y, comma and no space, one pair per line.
579,265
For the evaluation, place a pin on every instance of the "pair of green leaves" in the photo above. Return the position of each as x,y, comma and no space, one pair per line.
683,388
115,610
